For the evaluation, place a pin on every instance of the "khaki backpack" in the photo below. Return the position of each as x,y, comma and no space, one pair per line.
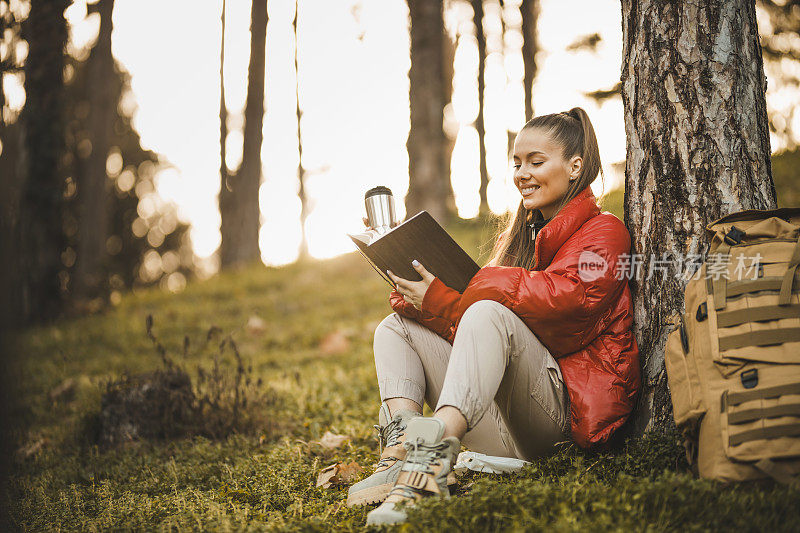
733,359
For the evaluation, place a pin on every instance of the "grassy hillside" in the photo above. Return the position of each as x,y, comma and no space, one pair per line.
311,344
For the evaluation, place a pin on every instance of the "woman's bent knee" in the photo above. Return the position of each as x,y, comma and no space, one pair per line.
484,310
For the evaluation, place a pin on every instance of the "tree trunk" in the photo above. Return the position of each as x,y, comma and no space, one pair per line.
698,148
238,196
40,236
477,20
301,172
94,187
530,45
224,173
429,185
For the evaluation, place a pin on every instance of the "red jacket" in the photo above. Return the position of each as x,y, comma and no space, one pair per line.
580,312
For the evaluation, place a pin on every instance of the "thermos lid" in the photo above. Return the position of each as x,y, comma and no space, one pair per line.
380,189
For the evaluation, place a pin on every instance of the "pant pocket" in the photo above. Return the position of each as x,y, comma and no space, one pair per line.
550,394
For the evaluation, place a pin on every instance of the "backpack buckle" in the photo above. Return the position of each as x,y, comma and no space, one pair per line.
749,378
702,312
734,236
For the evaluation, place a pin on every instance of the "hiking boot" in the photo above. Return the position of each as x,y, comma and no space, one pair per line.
391,435
429,460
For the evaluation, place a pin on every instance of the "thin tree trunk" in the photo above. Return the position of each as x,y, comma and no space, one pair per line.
301,172
530,45
429,185
477,20
698,148
94,187
40,237
239,206
224,173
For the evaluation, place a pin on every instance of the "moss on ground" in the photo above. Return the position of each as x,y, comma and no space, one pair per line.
266,481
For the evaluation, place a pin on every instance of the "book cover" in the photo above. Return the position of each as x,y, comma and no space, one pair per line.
421,238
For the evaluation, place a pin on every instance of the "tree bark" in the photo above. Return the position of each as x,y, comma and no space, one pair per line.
94,187
698,148
301,171
530,45
429,186
480,127
224,172
238,197
40,238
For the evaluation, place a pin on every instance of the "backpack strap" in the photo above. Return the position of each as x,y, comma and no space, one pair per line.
761,337
720,284
788,277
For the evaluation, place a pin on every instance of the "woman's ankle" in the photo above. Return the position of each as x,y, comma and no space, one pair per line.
455,424
400,404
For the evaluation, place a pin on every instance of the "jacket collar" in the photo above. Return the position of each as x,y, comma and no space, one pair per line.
563,225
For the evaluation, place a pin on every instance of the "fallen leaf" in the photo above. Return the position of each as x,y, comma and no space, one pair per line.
338,474
327,476
331,441
30,449
334,343
349,472
64,392
255,325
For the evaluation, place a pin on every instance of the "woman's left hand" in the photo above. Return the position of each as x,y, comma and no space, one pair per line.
413,291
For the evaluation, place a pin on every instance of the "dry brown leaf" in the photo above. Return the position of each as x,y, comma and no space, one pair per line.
338,474
255,325
334,343
349,472
30,449
331,441
64,392
327,476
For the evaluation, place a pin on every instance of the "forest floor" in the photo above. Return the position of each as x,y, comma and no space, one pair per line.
305,331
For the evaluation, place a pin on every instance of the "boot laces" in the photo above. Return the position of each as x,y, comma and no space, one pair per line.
420,457
389,435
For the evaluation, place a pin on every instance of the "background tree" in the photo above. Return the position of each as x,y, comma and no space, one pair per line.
238,196
94,185
40,240
429,186
698,148
224,172
144,242
301,171
780,42
480,127
530,46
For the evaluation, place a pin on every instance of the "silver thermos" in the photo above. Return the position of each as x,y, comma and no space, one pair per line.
380,208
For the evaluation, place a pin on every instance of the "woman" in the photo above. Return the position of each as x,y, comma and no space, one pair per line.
542,348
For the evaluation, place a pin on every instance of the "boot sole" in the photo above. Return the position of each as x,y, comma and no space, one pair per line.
378,493
369,495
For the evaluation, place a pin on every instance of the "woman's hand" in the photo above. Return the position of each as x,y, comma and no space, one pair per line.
413,291
366,223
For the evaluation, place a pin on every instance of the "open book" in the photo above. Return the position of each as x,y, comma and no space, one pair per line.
421,238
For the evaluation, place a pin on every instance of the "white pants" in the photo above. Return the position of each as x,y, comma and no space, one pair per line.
496,367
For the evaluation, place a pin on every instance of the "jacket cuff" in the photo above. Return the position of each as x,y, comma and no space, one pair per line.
442,301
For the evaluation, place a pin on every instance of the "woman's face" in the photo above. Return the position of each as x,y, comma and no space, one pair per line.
541,173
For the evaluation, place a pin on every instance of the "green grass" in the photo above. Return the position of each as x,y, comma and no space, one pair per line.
266,481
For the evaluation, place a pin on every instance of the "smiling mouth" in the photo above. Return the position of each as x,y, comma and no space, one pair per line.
529,190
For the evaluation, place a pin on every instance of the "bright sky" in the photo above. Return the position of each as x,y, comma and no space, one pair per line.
354,61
